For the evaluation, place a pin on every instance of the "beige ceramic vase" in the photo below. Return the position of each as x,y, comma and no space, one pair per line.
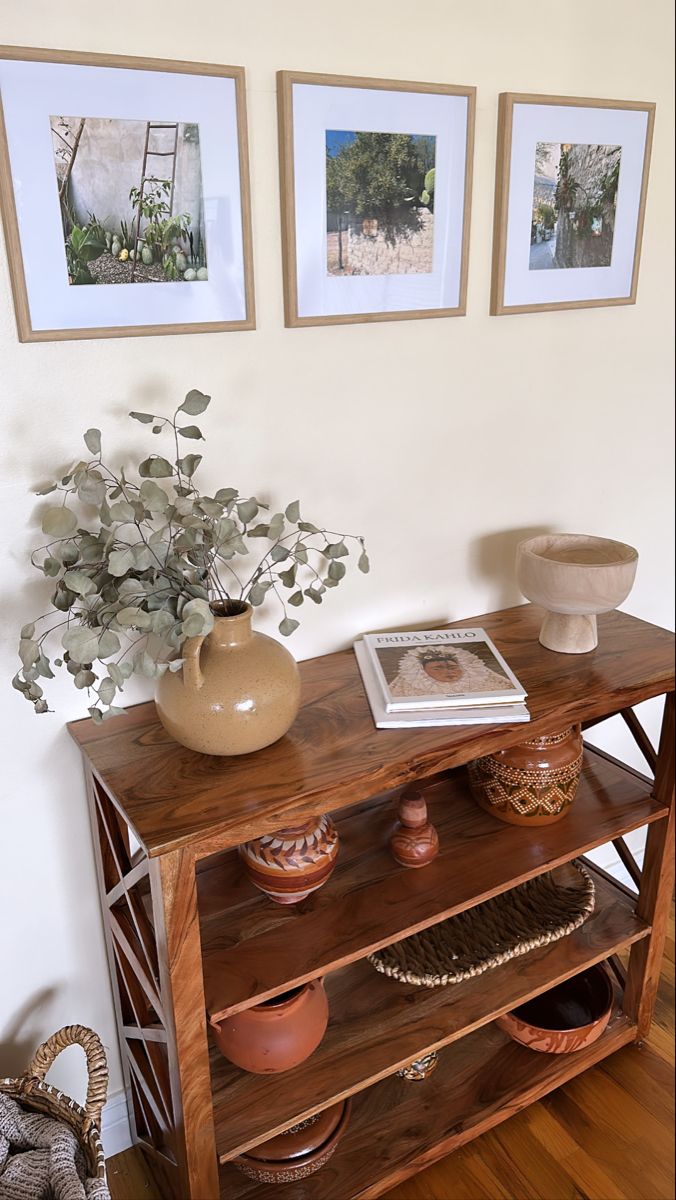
237,692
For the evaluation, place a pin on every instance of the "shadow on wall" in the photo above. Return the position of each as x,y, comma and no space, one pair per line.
493,557
23,1035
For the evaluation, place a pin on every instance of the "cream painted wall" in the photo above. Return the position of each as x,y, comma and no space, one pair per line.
441,441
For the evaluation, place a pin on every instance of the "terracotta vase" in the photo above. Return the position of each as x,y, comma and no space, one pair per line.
278,1034
237,692
293,862
533,783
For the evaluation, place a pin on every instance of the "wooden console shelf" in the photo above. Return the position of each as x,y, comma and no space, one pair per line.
189,939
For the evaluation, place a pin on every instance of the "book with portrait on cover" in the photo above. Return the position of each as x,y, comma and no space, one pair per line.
425,718
440,669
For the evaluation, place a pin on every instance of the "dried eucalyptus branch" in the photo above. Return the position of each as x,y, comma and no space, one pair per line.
157,561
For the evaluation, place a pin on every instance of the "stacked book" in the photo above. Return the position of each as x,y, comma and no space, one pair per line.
438,677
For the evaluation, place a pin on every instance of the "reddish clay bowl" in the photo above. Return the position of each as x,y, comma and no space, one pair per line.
282,1159
278,1034
567,1018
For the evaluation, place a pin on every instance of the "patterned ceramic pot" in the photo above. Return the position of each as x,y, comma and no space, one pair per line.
567,1018
238,690
533,783
278,1034
300,1151
293,862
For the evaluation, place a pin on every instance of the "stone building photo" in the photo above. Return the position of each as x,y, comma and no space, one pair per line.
131,200
574,198
379,203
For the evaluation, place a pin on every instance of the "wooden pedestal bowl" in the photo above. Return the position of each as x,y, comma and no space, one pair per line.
574,576
298,1152
568,1017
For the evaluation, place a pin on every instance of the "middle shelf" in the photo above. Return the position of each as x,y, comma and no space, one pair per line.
253,948
378,1025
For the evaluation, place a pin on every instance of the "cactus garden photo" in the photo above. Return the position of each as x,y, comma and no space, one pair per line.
379,203
130,195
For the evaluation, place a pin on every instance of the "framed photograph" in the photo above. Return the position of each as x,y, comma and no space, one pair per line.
570,191
119,172
375,181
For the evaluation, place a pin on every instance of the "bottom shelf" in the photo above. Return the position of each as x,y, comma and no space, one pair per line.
398,1127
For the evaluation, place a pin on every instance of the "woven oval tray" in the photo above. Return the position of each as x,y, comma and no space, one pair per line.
535,913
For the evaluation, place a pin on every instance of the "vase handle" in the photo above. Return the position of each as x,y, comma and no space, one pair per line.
190,653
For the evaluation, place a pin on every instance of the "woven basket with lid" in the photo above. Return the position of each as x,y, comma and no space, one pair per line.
34,1095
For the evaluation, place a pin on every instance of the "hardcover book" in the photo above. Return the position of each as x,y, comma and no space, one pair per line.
440,668
482,714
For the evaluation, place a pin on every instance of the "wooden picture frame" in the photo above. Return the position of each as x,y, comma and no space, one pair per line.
297,312
230,296
629,126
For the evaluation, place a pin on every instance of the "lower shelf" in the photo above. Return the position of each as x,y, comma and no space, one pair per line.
378,1025
398,1127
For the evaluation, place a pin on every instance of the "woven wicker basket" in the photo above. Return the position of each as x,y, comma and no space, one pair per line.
31,1091
535,913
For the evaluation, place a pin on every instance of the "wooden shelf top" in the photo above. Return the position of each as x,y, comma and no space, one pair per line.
334,756
377,1025
398,1127
252,948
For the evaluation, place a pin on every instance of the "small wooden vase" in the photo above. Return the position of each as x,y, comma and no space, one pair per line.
293,862
533,783
414,841
565,1019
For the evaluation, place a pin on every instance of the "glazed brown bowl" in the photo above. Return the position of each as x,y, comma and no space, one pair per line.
298,1152
567,1018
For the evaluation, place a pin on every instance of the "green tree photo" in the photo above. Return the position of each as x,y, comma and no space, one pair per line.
383,180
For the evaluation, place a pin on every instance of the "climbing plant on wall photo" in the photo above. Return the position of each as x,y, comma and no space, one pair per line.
131,200
571,184
574,200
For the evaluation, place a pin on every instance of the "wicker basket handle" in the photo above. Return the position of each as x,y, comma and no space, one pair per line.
97,1067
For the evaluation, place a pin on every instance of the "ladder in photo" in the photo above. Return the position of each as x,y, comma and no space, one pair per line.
145,178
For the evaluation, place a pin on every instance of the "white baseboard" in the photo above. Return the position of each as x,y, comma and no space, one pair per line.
115,1131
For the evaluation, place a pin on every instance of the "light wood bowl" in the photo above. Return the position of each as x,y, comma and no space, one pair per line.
574,576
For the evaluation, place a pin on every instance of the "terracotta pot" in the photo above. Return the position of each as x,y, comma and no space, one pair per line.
300,1151
567,1018
533,783
237,692
278,1034
293,862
